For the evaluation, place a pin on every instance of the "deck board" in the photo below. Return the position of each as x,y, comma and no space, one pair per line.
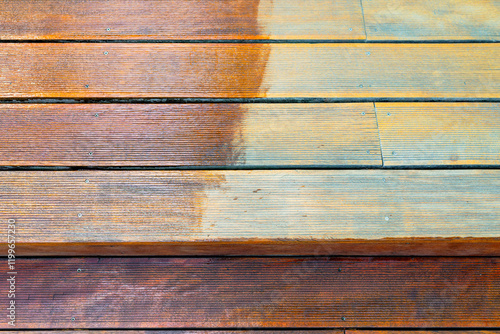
181,20
267,212
166,70
257,293
439,134
446,20
258,135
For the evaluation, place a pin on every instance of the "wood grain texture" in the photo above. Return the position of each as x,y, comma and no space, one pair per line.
432,20
427,331
213,331
267,212
260,331
189,135
256,292
249,70
181,19
416,134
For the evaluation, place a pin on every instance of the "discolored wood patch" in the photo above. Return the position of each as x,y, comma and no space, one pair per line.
269,135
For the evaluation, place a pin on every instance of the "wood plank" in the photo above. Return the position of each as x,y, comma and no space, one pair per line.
427,331
107,70
416,134
214,331
189,135
432,20
256,293
181,19
266,212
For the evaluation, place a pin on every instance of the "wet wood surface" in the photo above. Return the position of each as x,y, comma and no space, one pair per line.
441,134
257,293
128,70
252,212
181,20
432,20
269,135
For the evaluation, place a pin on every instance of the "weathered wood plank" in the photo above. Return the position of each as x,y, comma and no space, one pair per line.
432,20
416,134
267,212
256,292
104,70
189,135
426,331
181,19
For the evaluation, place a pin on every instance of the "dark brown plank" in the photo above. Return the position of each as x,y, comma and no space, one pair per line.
271,212
256,292
166,70
189,135
416,134
180,19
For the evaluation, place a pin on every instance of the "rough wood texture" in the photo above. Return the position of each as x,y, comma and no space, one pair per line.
189,135
415,134
253,212
249,70
305,331
214,331
181,19
432,20
257,292
427,331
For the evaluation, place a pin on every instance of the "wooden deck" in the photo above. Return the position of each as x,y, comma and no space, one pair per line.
250,166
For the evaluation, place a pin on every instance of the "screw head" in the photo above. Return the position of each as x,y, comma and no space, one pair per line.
343,318
368,53
363,113
73,319
80,215
360,86
394,153
105,53
86,86
350,29
87,181
79,270
388,114
90,153
386,219
340,270
108,29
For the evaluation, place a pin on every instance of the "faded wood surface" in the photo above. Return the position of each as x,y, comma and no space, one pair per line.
432,20
249,70
189,135
257,292
444,134
181,19
275,212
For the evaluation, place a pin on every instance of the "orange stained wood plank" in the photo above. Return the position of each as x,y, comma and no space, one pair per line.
432,20
439,133
249,70
181,19
256,293
267,212
189,135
